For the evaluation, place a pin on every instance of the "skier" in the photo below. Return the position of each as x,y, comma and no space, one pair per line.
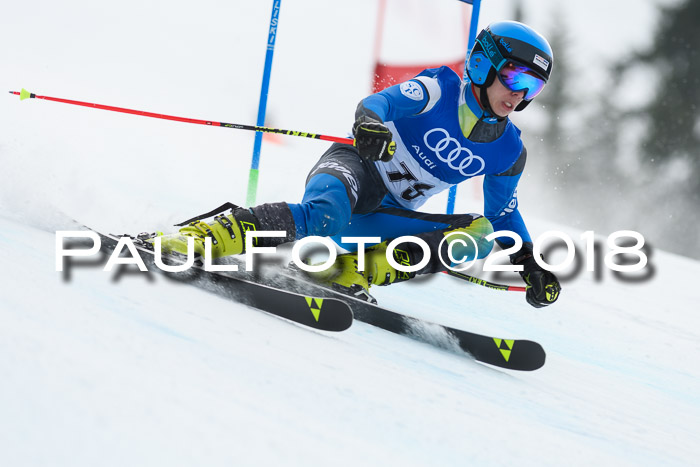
413,140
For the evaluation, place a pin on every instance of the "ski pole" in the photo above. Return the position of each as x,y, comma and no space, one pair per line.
473,26
24,94
490,285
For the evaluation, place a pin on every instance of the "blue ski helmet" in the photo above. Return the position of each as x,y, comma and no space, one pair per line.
515,53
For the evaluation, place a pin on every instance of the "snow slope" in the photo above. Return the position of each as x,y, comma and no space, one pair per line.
98,369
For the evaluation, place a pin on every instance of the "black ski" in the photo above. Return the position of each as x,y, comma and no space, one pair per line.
513,354
324,313
291,296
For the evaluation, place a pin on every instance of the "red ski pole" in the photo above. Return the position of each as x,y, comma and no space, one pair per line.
24,94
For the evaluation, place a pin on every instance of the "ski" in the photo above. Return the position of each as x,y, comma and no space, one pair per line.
322,313
289,295
512,354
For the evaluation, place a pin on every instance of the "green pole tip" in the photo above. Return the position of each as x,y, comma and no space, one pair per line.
24,94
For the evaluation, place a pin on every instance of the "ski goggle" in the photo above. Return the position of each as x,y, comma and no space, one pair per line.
517,77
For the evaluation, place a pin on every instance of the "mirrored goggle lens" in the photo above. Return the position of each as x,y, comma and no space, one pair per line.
518,77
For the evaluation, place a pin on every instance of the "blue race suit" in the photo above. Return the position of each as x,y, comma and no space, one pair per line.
443,137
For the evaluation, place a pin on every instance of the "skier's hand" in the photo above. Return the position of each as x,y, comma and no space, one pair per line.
542,286
373,139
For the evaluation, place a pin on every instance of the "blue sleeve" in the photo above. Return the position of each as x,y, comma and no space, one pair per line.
501,202
392,104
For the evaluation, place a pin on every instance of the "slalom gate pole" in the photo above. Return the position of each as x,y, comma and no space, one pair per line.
262,106
482,282
24,94
473,26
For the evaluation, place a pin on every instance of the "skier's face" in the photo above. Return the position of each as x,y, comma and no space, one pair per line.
503,101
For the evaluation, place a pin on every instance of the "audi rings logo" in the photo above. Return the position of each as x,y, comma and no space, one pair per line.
449,150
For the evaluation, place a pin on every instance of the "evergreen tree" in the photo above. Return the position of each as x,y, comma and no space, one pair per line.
673,112
555,100
557,152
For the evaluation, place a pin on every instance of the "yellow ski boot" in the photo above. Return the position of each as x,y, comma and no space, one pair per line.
344,275
227,234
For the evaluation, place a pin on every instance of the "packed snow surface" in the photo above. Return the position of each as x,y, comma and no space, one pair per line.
110,369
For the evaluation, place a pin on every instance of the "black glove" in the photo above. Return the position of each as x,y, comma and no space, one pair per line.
542,286
373,139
